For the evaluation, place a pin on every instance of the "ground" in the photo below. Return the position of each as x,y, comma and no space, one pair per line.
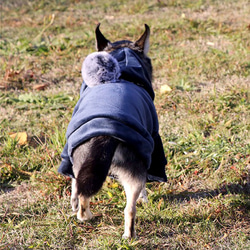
200,54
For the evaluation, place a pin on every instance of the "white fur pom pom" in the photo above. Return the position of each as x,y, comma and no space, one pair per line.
99,68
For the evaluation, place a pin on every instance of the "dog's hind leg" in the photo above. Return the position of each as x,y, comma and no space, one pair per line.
74,196
132,194
131,172
84,211
143,196
92,161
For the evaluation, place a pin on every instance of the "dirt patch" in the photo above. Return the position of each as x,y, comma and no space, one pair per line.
18,196
233,14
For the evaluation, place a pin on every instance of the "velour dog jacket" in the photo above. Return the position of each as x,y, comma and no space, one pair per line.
120,109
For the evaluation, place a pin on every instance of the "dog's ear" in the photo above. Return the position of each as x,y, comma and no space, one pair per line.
143,41
101,41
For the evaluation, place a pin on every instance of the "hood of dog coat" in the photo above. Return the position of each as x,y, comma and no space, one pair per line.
133,69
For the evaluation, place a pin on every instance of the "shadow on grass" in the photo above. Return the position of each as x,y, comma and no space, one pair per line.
230,188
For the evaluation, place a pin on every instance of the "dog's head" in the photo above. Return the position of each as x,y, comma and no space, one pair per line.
140,47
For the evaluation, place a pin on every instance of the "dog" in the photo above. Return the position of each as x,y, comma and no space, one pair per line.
114,127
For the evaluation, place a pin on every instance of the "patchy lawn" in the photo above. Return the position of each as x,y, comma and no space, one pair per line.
200,53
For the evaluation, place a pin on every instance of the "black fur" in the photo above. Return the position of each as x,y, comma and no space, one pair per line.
128,162
92,161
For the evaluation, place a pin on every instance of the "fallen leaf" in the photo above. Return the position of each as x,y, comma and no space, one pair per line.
224,236
7,166
40,86
165,89
210,43
159,204
207,246
110,194
208,218
20,137
114,185
233,168
196,172
24,172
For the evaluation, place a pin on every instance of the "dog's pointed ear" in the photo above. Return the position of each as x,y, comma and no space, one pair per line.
101,41
143,41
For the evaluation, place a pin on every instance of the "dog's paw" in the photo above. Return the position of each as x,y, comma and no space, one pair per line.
74,203
143,197
142,200
128,236
84,215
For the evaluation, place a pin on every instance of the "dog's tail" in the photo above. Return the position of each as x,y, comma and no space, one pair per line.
92,161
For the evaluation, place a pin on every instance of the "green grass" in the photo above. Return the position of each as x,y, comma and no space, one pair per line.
201,50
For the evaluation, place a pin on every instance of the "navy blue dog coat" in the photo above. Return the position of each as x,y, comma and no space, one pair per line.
120,109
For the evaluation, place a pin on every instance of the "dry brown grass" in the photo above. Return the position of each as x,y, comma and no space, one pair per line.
201,50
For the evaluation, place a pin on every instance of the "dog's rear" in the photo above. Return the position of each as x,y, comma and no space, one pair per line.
103,155
93,161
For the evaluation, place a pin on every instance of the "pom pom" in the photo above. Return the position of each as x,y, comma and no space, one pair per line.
99,68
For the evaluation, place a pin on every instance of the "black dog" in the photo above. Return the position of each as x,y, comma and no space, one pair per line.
114,130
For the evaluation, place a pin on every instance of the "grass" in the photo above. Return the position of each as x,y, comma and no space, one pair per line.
201,50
